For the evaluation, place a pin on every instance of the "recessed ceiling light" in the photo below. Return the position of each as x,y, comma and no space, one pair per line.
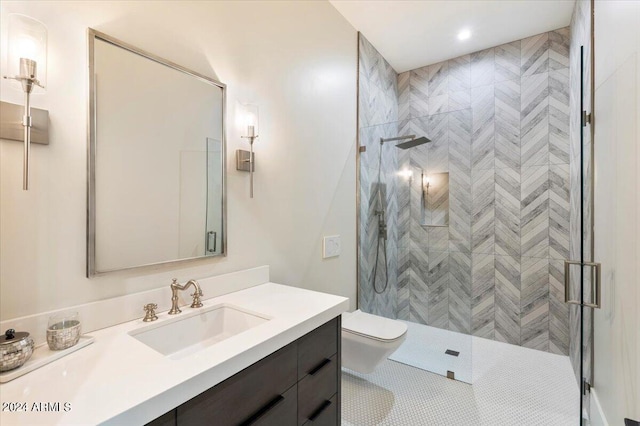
464,34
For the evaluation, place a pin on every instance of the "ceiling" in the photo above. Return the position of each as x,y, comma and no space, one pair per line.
414,33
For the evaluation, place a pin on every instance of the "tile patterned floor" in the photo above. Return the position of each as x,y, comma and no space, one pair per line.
512,386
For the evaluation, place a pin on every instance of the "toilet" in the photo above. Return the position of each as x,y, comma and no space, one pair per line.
368,339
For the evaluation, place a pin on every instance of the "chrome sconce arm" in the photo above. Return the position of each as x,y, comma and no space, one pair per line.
27,78
27,46
245,160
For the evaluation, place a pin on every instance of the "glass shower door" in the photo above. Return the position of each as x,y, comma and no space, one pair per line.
582,274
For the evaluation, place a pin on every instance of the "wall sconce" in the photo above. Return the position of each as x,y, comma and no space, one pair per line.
406,173
248,122
435,199
27,65
425,186
425,181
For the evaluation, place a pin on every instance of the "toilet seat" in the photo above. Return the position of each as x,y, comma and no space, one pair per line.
373,326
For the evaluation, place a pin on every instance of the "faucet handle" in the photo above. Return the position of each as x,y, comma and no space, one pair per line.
150,312
196,299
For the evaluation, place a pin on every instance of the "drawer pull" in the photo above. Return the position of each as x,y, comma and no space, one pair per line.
263,411
319,411
319,367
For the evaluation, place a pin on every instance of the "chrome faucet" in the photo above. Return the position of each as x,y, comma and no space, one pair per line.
175,287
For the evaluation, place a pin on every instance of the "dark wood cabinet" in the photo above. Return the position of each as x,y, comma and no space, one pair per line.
294,386
326,415
246,395
316,346
316,388
167,419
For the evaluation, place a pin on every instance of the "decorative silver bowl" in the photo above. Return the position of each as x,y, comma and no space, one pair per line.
63,334
15,349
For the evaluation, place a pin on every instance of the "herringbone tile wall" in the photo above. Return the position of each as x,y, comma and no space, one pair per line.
507,151
378,118
499,124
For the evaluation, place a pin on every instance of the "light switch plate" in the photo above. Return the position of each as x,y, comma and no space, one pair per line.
331,246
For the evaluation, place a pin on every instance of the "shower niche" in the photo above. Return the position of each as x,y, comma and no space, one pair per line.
435,199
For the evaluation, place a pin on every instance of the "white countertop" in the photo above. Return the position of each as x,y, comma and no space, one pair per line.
119,380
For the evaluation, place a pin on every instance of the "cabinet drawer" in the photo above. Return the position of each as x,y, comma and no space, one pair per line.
167,419
326,415
316,388
245,394
281,411
317,345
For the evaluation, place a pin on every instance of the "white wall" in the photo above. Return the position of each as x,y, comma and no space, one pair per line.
617,208
296,60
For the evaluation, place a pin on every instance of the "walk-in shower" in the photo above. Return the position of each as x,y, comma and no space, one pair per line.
464,236
411,141
464,239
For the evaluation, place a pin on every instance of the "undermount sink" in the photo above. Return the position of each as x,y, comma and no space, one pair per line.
193,331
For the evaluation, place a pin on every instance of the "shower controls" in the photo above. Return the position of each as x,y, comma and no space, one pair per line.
382,233
382,225
331,246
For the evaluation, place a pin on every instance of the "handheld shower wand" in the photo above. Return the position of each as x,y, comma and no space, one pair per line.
412,141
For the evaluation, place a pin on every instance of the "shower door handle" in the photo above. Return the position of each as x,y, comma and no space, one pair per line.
211,246
596,283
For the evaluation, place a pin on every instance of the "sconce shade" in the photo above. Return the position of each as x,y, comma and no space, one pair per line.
27,42
249,122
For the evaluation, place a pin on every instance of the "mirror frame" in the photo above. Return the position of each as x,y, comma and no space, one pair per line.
91,153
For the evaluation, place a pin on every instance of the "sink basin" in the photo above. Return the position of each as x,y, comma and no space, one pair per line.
193,331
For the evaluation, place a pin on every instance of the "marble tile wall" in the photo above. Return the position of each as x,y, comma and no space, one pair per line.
499,124
499,121
377,118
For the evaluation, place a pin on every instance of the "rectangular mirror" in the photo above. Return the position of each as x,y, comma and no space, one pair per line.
156,169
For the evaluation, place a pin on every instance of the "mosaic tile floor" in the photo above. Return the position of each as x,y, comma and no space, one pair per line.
513,386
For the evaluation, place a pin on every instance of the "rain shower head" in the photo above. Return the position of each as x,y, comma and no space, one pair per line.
413,142
409,144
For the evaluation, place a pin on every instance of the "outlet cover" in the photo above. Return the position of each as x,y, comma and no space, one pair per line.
331,246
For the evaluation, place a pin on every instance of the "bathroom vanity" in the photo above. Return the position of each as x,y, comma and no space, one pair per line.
283,371
297,385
